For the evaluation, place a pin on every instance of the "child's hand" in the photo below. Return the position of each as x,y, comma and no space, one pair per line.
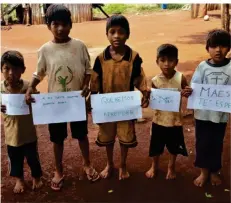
88,105
187,91
145,102
85,92
146,97
29,99
3,108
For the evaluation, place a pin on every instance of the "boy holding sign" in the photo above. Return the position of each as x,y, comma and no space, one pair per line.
118,69
20,132
211,125
167,126
66,62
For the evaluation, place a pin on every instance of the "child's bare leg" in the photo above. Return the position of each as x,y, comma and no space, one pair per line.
171,174
84,147
107,172
19,186
58,154
36,183
123,173
152,172
202,178
215,179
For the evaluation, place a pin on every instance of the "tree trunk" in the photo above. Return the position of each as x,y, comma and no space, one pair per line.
225,17
202,10
2,16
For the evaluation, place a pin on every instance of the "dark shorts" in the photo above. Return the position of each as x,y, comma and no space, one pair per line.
171,137
209,144
58,131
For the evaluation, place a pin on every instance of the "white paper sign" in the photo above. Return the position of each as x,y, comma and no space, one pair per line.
15,104
165,100
210,97
58,107
116,107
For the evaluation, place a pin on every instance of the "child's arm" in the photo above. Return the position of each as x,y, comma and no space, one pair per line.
140,81
186,90
153,86
96,77
88,72
85,87
37,76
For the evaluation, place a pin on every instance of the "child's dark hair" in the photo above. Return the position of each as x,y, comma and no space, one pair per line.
167,50
58,12
218,37
14,58
118,20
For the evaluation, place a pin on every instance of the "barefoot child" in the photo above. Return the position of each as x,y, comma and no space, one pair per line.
211,125
118,69
20,132
66,62
167,127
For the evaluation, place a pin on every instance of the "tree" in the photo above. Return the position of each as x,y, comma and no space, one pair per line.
225,17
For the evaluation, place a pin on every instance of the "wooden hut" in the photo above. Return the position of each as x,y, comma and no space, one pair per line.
79,12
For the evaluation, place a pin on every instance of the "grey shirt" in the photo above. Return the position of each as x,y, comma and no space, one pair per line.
207,73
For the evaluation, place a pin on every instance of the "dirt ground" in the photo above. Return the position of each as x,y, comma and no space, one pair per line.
147,32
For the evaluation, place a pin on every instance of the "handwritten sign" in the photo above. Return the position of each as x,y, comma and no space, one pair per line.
116,107
165,100
210,97
15,104
58,107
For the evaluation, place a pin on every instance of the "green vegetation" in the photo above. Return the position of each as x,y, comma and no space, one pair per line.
134,8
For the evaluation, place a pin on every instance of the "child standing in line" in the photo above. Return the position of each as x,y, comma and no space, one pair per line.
211,125
20,132
167,127
118,69
66,62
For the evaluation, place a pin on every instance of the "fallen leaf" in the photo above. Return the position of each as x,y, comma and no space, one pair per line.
227,190
208,195
110,191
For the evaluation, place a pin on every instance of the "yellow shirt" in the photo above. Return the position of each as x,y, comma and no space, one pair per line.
19,130
166,118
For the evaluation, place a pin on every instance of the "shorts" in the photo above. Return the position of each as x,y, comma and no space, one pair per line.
58,131
124,130
171,137
209,144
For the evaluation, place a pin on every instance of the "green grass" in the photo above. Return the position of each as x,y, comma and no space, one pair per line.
134,8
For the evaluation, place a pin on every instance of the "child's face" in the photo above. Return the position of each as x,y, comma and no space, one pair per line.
117,36
218,53
167,65
11,73
60,30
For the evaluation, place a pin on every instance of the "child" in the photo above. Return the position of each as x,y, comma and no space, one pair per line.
20,132
118,69
211,125
66,62
167,126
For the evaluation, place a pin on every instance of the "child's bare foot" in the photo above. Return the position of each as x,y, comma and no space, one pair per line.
19,186
215,179
107,172
171,174
151,173
123,173
37,183
201,180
